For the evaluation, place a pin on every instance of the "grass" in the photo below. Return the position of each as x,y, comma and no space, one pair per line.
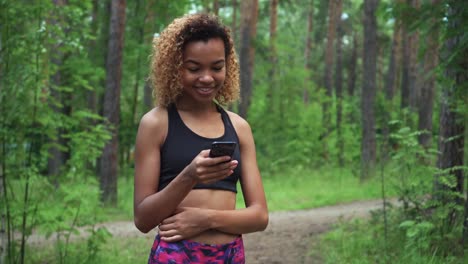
297,189
292,189
361,242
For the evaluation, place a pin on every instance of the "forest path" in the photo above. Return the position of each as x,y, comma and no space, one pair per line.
289,237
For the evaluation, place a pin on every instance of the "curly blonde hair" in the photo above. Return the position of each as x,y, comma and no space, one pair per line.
167,54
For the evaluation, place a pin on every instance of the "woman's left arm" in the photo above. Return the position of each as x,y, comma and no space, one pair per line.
254,217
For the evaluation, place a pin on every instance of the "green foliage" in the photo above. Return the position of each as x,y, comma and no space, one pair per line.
428,227
361,241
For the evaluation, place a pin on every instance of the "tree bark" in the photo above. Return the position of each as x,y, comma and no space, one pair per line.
352,75
149,30
394,62
368,145
405,64
426,107
57,153
452,121
391,79
307,51
91,95
215,7
328,76
414,80
273,58
111,111
234,22
339,84
248,29
414,72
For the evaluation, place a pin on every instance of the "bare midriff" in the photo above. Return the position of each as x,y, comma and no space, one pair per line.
211,199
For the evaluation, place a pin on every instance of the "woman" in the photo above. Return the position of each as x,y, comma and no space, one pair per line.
179,188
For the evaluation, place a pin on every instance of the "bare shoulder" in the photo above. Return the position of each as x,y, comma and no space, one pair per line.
154,124
241,126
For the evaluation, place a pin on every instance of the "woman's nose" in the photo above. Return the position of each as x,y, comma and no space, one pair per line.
206,78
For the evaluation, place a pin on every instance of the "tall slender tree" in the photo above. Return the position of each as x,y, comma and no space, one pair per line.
273,56
248,31
414,65
431,60
111,111
234,21
308,49
57,154
328,75
452,121
216,7
391,78
339,84
368,144
351,67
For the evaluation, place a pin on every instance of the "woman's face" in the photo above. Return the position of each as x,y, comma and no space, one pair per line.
203,69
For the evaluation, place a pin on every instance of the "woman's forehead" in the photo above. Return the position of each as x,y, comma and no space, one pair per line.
198,50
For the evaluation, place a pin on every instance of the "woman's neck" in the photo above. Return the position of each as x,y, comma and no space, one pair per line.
190,106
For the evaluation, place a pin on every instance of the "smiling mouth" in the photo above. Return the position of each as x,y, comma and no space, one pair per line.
205,89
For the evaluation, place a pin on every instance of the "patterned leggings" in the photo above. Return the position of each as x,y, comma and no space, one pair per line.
187,252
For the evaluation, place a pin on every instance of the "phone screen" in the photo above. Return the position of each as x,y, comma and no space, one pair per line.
222,148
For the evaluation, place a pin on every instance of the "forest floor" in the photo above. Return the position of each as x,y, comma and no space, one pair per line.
290,236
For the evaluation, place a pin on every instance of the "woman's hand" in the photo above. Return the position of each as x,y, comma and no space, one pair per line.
185,223
204,169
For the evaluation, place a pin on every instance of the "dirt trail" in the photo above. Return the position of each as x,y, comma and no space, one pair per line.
288,238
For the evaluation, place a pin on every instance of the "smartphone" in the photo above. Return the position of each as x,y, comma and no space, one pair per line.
222,148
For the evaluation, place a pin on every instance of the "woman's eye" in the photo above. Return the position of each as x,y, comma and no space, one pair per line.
192,69
218,69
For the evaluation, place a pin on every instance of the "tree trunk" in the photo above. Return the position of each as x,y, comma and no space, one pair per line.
328,76
248,29
431,60
405,70
215,7
141,40
91,95
391,78
368,145
352,75
414,82
234,22
273,58
307,51
452,121
57,155
111,111
149,30
339,84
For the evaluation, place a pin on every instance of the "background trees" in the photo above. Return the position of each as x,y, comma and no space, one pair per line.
70,100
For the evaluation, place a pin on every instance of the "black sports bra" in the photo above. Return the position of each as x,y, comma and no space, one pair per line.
182,145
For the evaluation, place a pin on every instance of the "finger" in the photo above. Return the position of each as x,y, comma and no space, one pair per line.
172,238
179,210
207,179
168,220
205,171
221,166
168,233
166,227
217,160
219,174
205,153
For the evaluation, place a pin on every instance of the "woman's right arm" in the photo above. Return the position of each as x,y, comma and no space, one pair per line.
150,207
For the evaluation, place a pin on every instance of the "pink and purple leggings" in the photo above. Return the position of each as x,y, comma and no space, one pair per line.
190,252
